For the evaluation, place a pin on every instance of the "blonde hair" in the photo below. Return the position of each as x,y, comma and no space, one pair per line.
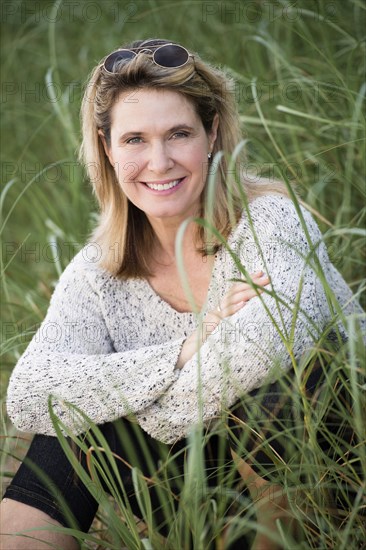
123,233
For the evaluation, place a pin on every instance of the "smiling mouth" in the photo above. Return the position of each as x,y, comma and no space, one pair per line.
163,186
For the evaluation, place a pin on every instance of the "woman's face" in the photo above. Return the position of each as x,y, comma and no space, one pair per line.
159,152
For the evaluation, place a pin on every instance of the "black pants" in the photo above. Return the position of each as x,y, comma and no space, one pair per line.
266,406
46,453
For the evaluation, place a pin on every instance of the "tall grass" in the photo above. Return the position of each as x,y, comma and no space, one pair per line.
299,69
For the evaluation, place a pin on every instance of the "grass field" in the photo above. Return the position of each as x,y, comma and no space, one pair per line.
299,69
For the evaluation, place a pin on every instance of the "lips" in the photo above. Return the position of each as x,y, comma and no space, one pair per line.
164,185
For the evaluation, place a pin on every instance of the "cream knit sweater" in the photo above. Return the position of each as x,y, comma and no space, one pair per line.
110,347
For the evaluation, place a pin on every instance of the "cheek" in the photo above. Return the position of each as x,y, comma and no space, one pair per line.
129,171
199,164
126,167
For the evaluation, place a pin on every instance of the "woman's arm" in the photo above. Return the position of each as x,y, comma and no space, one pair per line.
247,347
72,357
236,297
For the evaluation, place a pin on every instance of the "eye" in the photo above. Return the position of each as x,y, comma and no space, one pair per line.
133,140
178,135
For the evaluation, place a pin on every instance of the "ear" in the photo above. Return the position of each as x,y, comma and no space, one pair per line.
106,149
213,131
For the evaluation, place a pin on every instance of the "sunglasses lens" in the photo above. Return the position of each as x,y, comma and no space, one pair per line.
171,56
111,63
165,55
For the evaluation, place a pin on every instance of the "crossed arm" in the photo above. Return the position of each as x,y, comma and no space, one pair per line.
160,383
236,297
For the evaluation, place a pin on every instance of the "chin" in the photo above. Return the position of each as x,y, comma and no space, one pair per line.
166,214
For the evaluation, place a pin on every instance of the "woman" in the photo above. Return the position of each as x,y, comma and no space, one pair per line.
122,335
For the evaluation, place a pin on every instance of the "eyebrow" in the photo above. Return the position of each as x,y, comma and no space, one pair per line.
175,128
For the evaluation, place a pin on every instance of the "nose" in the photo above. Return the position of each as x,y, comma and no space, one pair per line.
160,160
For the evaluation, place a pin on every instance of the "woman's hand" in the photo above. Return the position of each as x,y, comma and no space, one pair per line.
236,297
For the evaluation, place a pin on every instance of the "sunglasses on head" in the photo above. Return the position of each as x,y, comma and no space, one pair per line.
169,56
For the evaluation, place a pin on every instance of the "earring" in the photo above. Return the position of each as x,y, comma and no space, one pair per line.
209,156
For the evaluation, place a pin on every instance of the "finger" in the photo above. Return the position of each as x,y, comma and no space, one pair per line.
235,307
240,287
243,296
244,281
240,293
256,274
249,294
259,277
252,277
230,306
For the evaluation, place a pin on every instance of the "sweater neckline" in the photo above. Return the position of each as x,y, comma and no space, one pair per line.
210,292
208,301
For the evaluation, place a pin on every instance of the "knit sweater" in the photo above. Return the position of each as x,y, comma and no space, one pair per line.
110,346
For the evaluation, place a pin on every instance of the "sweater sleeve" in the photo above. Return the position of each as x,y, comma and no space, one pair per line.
72,357
265,336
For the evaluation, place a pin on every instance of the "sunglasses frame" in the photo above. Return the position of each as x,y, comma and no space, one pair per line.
146,49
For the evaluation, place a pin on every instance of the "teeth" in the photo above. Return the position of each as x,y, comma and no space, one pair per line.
159,187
